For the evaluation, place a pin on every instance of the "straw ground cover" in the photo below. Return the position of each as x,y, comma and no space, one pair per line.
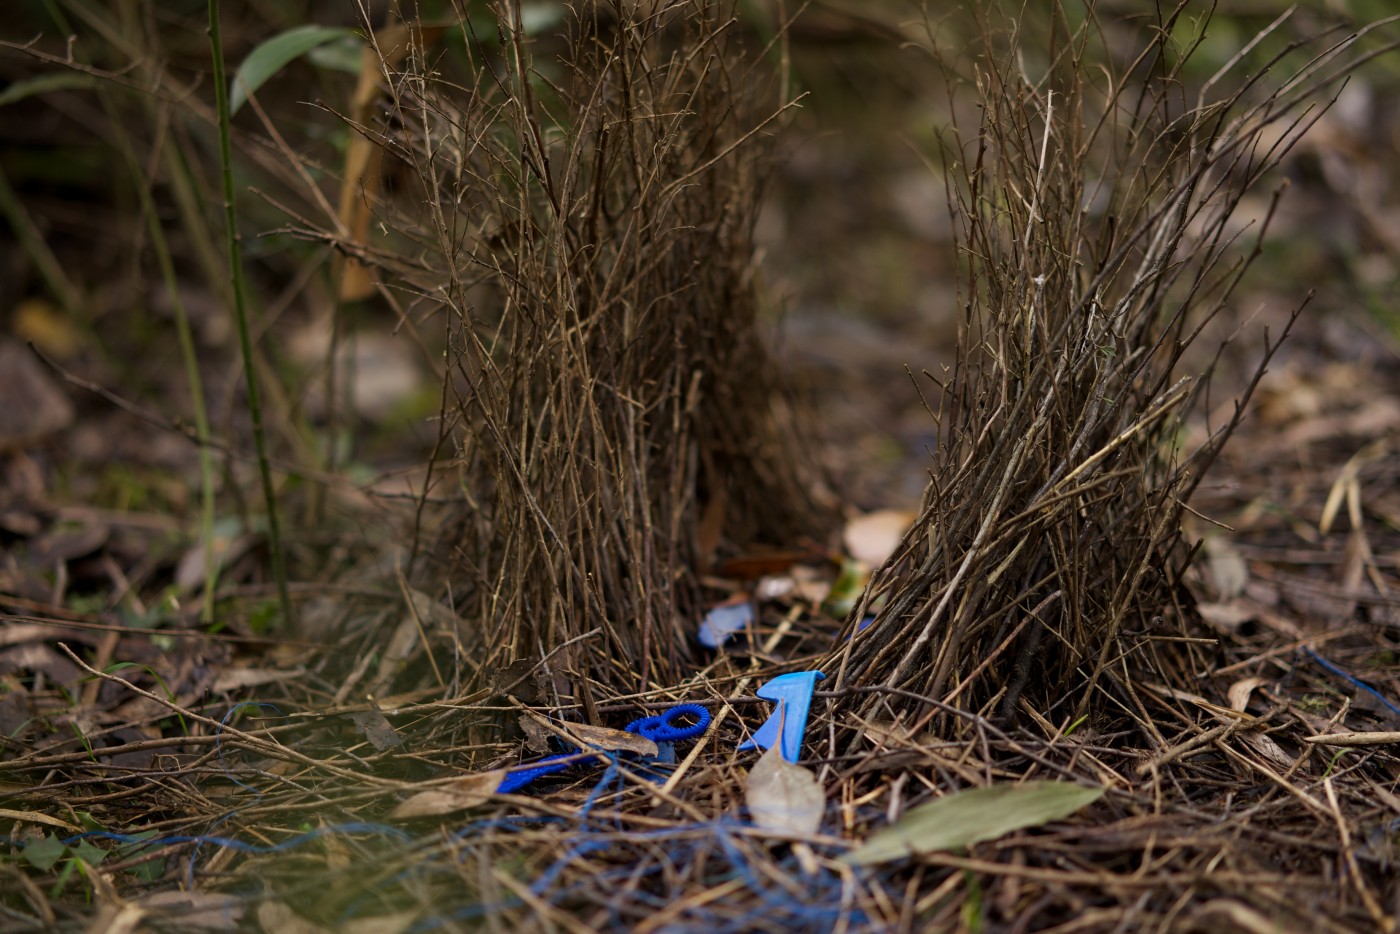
562,214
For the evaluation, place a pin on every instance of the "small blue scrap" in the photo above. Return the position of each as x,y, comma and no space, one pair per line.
722,622
862,626
793,694
662,729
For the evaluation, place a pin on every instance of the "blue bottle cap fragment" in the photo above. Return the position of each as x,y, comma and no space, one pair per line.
722,622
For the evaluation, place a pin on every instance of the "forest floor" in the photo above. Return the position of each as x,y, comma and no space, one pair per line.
126,717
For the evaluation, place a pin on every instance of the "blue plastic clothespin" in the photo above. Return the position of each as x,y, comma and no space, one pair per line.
793,695
662,729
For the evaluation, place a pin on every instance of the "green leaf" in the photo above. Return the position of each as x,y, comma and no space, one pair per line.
343,54
44,853
273,55
89,852
150,871
43,84
961,819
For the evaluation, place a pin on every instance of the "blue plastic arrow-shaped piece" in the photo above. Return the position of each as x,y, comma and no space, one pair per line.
793,695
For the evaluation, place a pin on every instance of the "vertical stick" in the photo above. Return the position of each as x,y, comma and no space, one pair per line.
240,309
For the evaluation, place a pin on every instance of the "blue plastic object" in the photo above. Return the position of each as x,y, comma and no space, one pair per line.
722,622
662,729
793,695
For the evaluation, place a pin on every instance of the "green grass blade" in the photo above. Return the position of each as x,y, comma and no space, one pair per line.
240,309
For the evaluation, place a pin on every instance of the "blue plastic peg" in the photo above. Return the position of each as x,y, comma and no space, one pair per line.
793,695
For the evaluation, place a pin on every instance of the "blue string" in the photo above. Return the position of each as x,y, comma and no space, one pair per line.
1360,685
219,737
633,853
239,846
777,909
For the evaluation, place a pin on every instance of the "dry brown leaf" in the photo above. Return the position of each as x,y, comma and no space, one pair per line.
364,157
34,817
1347,487
1240,691
459,794
376,728
601,737
236,679
887,732
194,911
536,736
784,796
35,404
1270,750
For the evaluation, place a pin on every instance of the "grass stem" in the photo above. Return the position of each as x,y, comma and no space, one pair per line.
240,309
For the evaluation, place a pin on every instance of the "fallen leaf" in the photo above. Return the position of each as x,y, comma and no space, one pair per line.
1239,692
783,796
237,679
194,911
459,794
536,736
376,728
34,817
228,546
361,180
759,564
605,738
887,733
43,323
873,537
36,406
959,820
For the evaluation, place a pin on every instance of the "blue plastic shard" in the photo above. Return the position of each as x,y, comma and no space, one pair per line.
722,622
862,626
793,695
